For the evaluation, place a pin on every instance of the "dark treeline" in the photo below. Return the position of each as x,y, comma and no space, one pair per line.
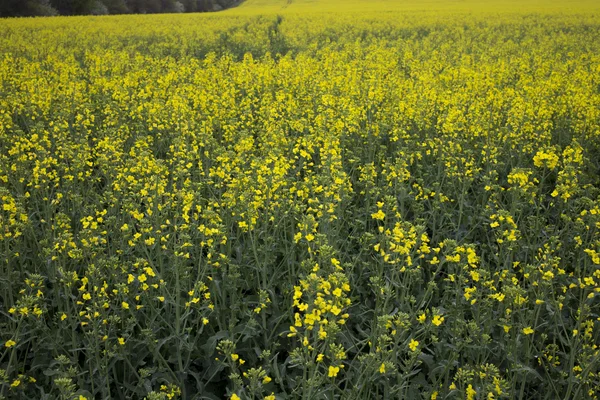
22,8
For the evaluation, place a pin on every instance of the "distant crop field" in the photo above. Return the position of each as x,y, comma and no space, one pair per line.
302,200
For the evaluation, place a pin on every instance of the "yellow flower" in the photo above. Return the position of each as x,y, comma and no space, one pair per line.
15,383
336,263
235,357
413,345
422,318
266,380
437,320
379,215
121,341
9,343
235,397
270,397
545,159
320,358
382,368
125,305
63,317
333,371
528,330
470,392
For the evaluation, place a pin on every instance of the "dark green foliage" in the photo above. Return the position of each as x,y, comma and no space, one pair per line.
24,8
73,7
19,8
116,6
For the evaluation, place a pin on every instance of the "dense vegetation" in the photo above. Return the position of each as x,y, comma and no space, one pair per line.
21,8
302,204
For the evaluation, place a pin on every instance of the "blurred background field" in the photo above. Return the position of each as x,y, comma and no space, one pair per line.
435,6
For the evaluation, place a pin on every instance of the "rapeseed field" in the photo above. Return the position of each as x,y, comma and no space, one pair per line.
302,200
